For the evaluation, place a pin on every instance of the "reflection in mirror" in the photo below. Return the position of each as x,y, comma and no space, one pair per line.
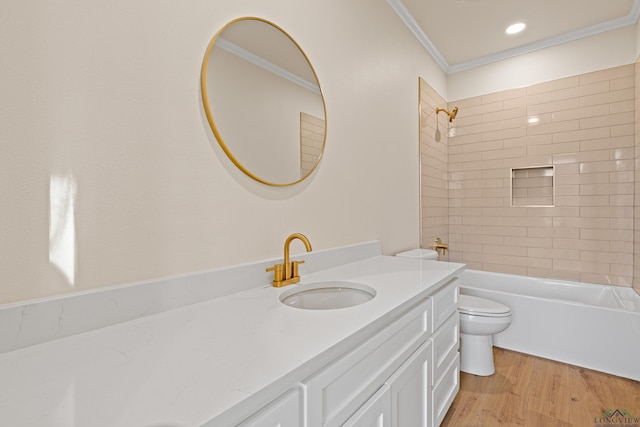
263,102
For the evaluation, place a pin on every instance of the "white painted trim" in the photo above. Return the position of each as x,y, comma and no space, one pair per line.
614,24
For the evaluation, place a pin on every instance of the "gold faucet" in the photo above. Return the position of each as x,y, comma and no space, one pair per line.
437,245
287,273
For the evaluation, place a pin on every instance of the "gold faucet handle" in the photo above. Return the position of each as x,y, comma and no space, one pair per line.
278,270
294,268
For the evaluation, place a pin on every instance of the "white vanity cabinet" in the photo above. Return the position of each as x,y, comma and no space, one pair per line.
415,358
406,375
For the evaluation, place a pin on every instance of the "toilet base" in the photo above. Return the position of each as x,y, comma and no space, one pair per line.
476,355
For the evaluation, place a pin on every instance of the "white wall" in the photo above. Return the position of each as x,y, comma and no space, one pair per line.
108,170
605,50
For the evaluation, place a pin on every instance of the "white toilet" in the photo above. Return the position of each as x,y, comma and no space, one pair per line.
480,318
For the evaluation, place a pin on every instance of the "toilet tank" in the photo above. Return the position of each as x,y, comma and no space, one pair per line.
419,254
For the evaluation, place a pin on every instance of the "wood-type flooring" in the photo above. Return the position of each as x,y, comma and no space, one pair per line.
535,392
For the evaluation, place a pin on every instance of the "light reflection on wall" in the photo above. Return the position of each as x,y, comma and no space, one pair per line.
62,227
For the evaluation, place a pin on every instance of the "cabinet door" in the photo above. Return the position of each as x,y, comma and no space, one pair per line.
411,390
376,412
283,412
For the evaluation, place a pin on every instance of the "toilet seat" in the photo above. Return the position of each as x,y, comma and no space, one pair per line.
475,306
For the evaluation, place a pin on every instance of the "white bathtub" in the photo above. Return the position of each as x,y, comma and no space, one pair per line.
593,326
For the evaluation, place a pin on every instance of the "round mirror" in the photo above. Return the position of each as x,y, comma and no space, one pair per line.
263,101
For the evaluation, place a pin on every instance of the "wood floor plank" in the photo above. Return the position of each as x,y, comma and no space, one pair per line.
532,392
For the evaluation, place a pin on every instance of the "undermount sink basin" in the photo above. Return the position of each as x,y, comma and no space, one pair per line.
327,295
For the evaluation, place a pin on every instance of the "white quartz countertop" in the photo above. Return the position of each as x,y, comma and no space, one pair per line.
202,364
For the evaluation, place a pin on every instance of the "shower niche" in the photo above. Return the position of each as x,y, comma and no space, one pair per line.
533,186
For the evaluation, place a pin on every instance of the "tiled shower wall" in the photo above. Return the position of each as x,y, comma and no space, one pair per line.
433,168
585,127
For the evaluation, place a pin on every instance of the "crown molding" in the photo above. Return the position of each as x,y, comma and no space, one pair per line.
614,24
263,63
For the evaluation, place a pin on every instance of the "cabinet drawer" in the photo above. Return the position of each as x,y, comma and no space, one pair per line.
445,391
445,302
283,412
336,392
445,345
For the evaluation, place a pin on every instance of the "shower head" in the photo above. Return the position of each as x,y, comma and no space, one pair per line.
452,114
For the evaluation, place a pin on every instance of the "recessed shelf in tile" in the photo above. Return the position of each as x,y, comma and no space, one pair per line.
533,186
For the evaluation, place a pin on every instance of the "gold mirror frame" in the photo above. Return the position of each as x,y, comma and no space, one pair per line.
210,116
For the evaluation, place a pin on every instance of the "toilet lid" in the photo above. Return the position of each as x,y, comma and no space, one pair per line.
473,305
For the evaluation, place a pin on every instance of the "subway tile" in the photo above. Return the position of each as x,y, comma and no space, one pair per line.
560,148
622,153
600,254
506,269
503,134
554,85
515,103
478,128
621,223
504,95
608,120
528,242
607,97
528,262
622,269
539,98
622,130
505,114
553,127
606,235
607,166
567,169
623,83
504,250
580,223
583,134
484,239
613,142
607,74
622,200
504,154
581,112
483,108
604,212
565,254
555,106
561,233
622,106
483,146
504,231
556,212
606,189
581,244
581,266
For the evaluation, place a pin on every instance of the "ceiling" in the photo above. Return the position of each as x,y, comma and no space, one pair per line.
462,34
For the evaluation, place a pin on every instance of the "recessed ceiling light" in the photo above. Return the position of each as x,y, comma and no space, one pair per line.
515,28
